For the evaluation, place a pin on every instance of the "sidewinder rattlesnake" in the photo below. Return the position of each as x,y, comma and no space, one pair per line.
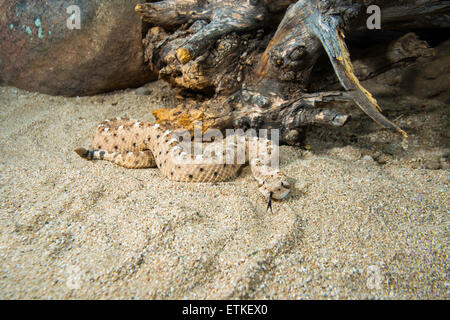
135,144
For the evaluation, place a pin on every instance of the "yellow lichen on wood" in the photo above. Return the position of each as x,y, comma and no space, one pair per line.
183,55
192,77
349,68
180,118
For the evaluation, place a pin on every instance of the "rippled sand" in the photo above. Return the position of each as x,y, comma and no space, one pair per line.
367,217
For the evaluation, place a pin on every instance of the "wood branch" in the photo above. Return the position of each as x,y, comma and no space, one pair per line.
312,26
252,109
222,69
224,17
415,14
172,13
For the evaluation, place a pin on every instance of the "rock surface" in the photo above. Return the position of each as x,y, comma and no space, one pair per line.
431,79
38,52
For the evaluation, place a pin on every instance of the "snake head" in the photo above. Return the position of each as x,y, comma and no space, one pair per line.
276,185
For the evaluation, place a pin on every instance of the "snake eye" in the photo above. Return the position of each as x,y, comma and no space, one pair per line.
285,184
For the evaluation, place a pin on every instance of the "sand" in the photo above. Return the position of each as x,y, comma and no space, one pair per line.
368,216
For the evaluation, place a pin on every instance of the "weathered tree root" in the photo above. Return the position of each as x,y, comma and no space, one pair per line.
216,48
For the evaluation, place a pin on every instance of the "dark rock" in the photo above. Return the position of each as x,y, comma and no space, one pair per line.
431,78
444,161
38,52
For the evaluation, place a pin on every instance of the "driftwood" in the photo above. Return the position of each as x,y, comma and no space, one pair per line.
248,63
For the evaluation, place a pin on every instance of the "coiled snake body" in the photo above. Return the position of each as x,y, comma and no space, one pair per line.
135,144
